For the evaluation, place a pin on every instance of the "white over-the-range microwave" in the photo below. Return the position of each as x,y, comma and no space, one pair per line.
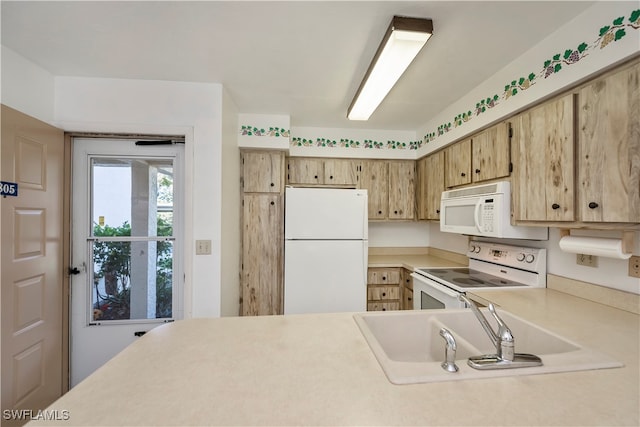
484,210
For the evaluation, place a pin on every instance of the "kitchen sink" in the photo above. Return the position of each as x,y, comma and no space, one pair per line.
409,348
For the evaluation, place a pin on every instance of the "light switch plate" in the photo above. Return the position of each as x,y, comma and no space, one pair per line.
203,247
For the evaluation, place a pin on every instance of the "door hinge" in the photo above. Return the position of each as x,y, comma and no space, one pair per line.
510,132
510,167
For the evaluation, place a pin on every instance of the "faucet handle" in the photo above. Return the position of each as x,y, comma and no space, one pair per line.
506,342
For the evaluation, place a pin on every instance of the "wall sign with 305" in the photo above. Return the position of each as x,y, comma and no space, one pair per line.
8,188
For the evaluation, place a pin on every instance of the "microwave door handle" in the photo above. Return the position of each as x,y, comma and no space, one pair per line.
476,218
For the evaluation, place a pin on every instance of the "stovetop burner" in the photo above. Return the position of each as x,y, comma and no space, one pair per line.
468,278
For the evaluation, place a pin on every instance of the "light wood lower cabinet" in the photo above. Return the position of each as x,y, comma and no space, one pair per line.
407,290
262,275
383,289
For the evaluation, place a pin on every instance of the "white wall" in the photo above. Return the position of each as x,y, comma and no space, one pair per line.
159,107
230,255
398,234
26,87
610,272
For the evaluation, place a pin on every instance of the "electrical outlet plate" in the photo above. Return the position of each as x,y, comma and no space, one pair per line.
587,260
634,266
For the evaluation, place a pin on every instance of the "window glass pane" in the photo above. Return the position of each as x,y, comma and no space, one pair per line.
132,280
132,196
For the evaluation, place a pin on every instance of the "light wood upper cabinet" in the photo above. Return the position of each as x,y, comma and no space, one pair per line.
402,177
305,170
609,148
374,177
435,184
490,153
430,186
422,186
458,164
322,171
262,171
543,152
341,172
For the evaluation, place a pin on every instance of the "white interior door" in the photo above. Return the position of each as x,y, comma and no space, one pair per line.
126,246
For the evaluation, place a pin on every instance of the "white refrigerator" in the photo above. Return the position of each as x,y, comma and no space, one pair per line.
325,250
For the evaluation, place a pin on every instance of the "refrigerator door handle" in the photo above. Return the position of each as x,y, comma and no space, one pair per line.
365,261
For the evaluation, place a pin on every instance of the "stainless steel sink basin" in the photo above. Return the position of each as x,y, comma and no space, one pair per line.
410,350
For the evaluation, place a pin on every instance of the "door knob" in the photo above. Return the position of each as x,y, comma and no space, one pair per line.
593,205
73,271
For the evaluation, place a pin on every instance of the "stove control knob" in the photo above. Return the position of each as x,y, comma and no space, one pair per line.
477,249
520,257
530,258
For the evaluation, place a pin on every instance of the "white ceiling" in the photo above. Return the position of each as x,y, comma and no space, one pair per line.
298,58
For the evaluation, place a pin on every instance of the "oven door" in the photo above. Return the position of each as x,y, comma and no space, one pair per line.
429,295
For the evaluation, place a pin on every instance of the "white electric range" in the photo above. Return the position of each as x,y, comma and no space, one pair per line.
491,266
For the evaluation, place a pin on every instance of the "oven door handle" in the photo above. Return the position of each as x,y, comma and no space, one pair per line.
435,285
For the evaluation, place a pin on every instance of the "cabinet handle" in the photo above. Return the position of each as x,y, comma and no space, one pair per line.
384,294
379,212
331,177
395,212
273,203
272,184
384,309
463,174
477,170
384,277
593,205
555,206
410,299
315,176
437,211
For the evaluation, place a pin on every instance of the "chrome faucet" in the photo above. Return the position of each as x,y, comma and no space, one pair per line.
503,340
449,363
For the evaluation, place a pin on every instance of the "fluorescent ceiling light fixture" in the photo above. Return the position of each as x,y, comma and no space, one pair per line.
401,43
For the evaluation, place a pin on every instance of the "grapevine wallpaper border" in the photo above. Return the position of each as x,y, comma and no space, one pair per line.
607,34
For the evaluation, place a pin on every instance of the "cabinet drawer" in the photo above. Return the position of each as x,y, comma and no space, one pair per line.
381,276
408,300
383,306
383,292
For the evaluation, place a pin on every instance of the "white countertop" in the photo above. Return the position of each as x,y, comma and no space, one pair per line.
318,369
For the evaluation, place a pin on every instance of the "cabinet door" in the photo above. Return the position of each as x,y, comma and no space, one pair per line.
340,172
402,193
543,140
262,172
490,153
422,209
609,148
262,254
305,171
458,164
374,177
435,184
